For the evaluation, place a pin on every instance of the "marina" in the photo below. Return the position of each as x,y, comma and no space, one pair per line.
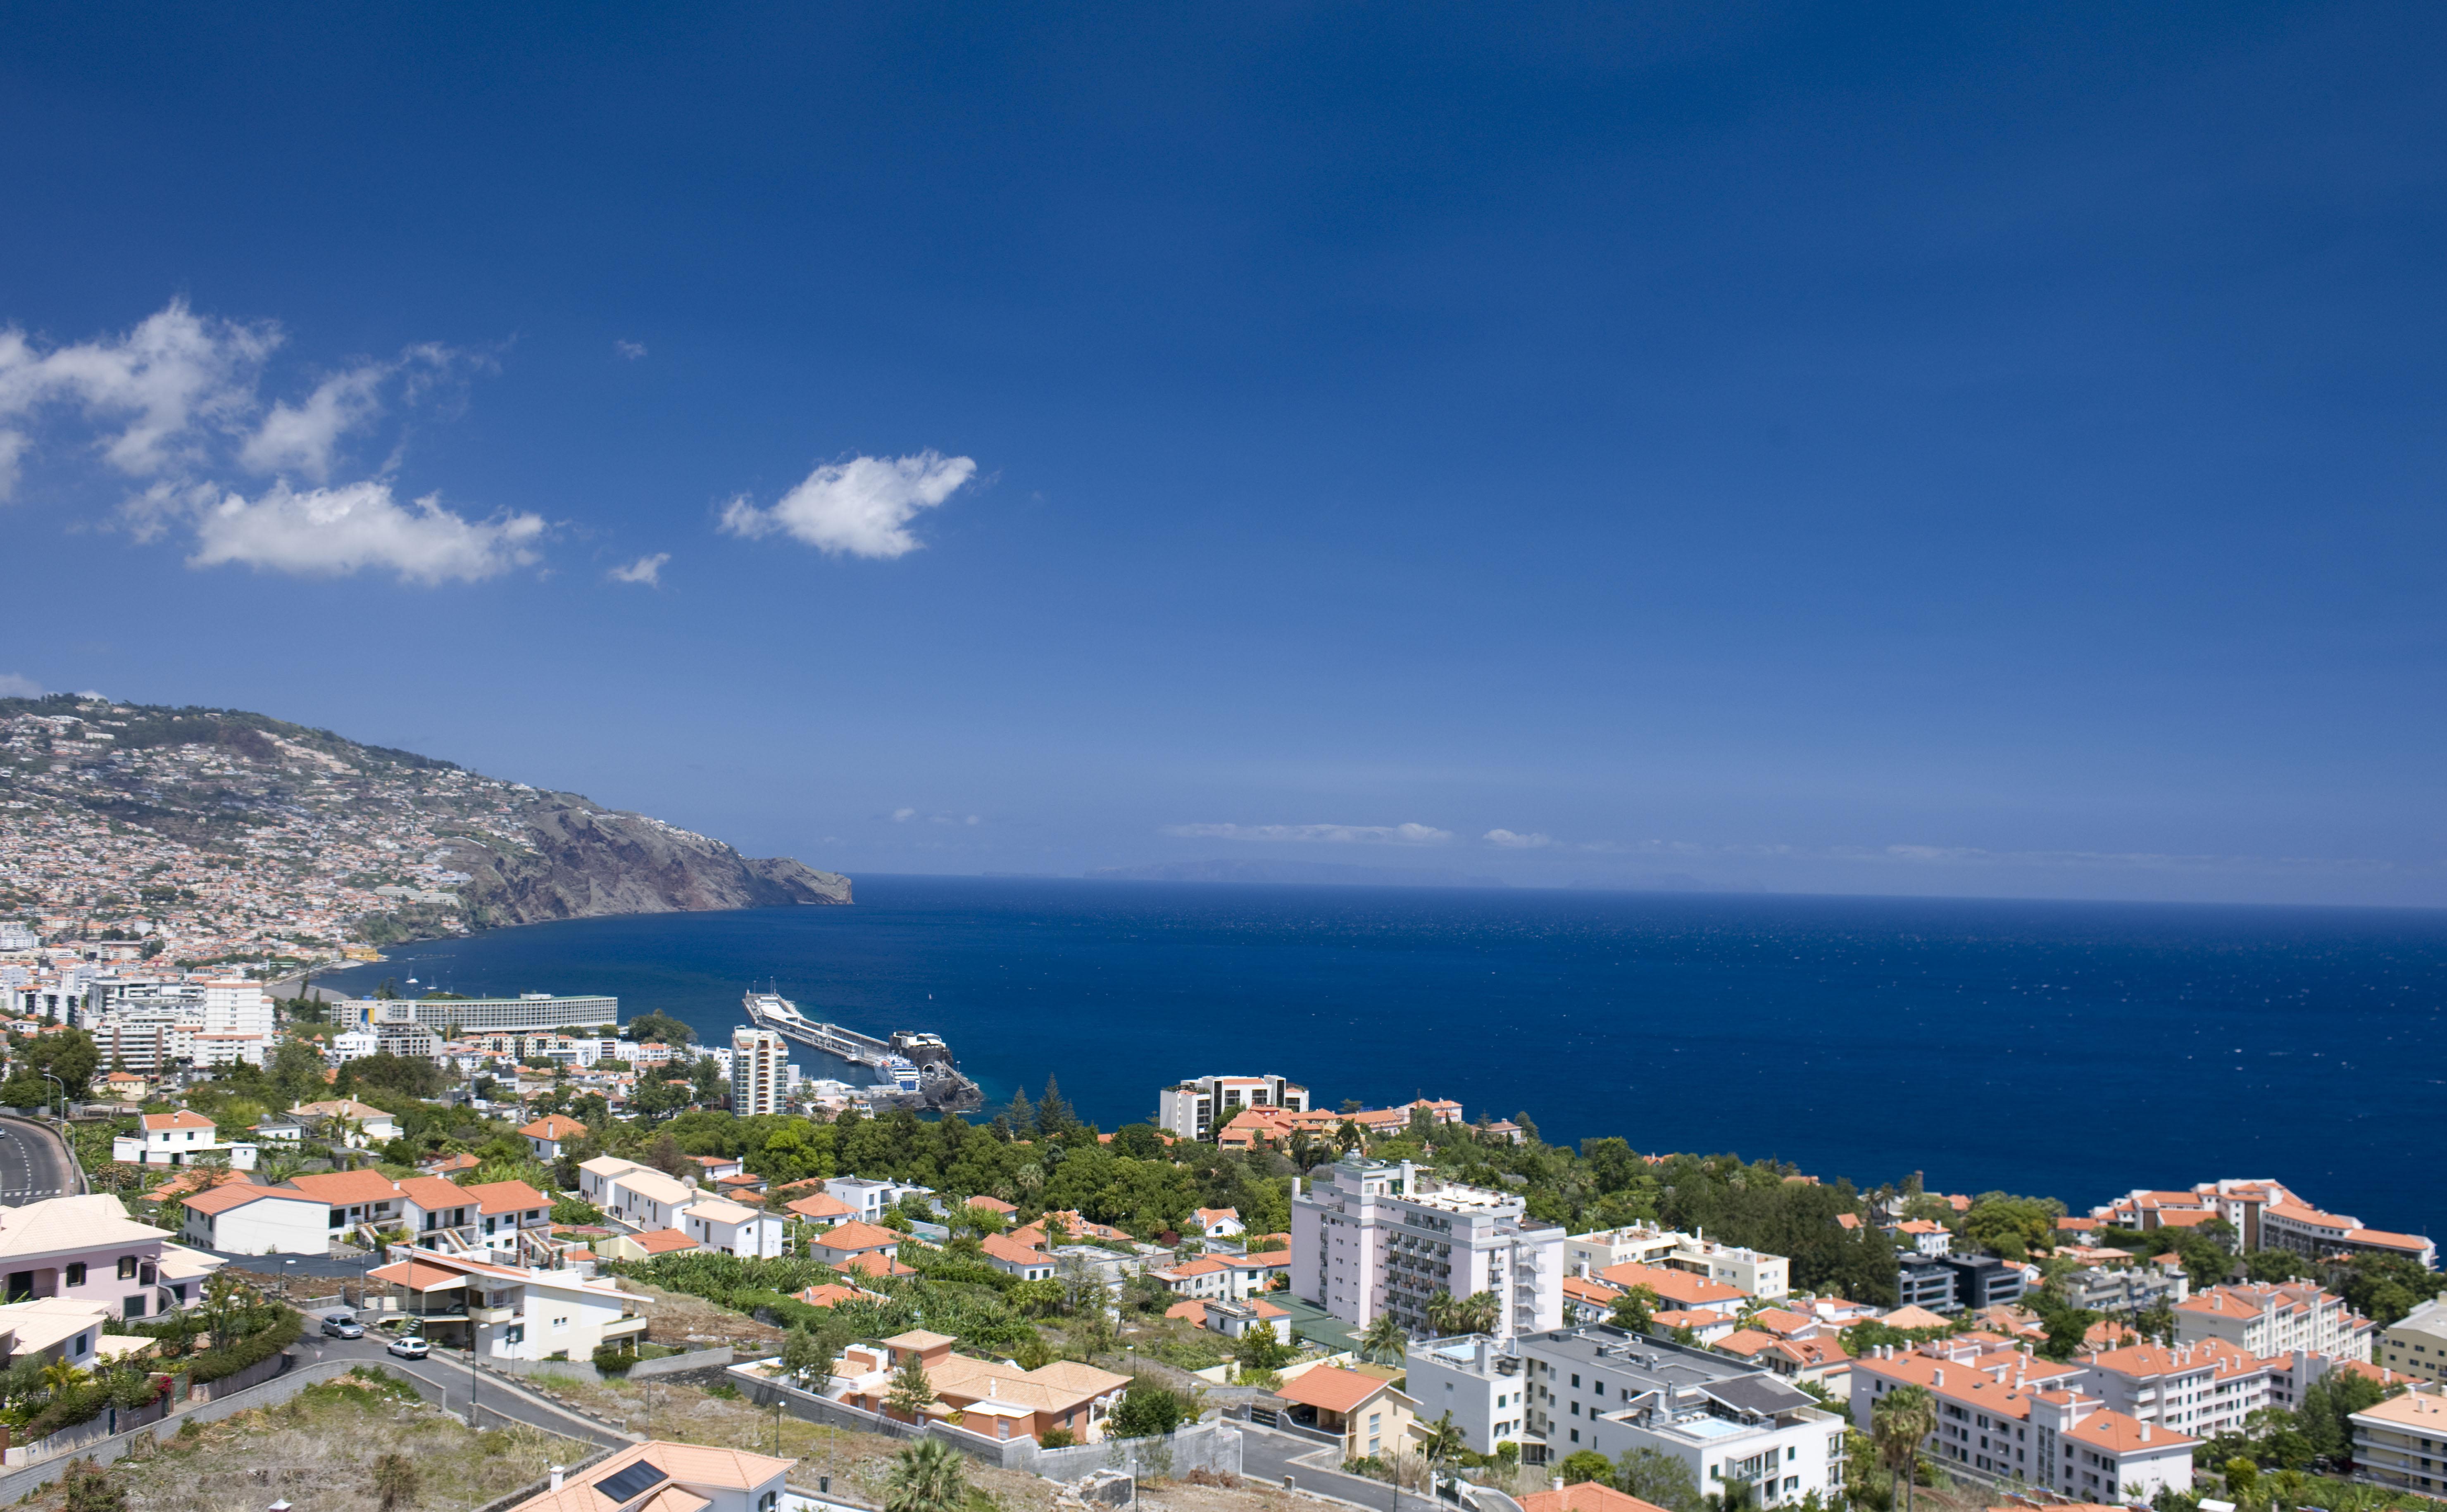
918,1067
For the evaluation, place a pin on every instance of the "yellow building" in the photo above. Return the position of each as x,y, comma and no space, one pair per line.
2402,1442
2417,1344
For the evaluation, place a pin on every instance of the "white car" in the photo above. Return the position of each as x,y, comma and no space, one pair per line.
411,1346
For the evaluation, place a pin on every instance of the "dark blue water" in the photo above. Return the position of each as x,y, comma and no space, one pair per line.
2074,1051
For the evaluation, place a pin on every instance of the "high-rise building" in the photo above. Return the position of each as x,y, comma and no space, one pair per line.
1377,1237
760,1061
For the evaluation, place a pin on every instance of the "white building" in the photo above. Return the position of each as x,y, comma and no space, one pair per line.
1600,1388
638,1195
1194,1109
759,1083
1756,1272
867,1200
1376,1239
236,1219
1484,1383
515,1313
2009,1415
729,1228
2265,1318
2204,1389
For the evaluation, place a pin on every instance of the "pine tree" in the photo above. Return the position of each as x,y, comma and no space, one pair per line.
1053,1115
911,1389
1023,1118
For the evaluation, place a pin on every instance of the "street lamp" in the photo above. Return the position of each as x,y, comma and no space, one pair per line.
64,1094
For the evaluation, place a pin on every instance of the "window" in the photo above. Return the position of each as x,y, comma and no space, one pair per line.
127,1267
76,1272
134,1306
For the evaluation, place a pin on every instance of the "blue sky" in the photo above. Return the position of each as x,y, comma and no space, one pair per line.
1933,449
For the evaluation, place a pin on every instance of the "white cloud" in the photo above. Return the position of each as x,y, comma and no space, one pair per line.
16,685
1321,834
646,570
1509,841
300,437
325,532
902,816
860,507
154,394
630,350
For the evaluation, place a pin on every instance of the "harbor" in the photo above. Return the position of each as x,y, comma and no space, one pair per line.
917,1067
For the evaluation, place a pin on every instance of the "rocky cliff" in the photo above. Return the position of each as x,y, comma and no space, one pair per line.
581,860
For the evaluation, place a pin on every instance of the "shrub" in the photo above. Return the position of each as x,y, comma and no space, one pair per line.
1055,1439
265,1342
613,1360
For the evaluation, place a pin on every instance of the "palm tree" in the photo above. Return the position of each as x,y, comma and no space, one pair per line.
1441,1442
1444,1316
1897,1424
1478,1313
61,1377
1385,1339
395,1482
929,1476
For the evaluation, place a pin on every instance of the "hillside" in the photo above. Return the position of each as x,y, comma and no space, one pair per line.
209,834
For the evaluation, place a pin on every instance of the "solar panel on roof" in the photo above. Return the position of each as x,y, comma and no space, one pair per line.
625,1487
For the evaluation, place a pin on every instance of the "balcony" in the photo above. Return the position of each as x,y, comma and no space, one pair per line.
493,1314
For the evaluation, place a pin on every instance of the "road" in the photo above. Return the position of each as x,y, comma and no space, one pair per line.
448,1374
1269,1456
34,1164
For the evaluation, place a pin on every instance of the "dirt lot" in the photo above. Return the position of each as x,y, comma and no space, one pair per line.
318,1449
692,1322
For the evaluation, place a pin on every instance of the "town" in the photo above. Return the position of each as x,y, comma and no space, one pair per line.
1245,1286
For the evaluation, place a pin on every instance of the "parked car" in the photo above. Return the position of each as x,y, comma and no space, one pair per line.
411,1346
341,1325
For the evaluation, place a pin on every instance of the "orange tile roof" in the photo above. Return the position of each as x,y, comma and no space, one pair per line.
818,1206
217,1199
432,1192
345,1188
506,1197
1679,1287
2118,1434
856,1237
875,1262
1588,1496
181,1119
556,1127
832,1293
1191,1311
1011,1252
416,1276
1331,1387
994,1204
664,1241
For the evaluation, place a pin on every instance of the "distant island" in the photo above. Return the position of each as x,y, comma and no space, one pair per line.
204,835
1314,874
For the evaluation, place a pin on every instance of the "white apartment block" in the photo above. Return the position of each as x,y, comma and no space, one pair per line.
1484,1383
1194,1109
513,1313
1759,1273
1602,1389
2009,1416
759,1083
1380,1239
2275,1319
2416,1344
2203,1390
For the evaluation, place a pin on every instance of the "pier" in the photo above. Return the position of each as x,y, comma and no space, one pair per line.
918,1066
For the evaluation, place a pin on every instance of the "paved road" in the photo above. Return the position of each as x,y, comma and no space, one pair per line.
447,1373
1268,1455
34,1164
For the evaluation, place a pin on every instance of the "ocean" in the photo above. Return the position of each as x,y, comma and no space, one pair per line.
2074,1051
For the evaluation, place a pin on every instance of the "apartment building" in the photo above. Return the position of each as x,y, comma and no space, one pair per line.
2416,1344
1752,1272
2204,1389
1374,1237
760,1079
2274,1319
528,1010
1483,1382
2402,1442
1954,1283
2308,1231
2124,1288
1194,1109
2266,1215
1602,1389
2007,1416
